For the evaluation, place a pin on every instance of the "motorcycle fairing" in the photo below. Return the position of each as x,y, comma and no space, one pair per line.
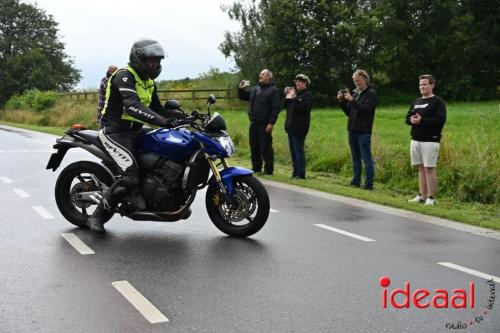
211,146
66,143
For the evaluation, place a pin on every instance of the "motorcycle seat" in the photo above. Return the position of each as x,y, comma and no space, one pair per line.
91,136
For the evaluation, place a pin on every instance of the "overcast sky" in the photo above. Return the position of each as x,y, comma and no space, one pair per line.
98,33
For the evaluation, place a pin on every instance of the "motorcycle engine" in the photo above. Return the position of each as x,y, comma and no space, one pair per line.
161,183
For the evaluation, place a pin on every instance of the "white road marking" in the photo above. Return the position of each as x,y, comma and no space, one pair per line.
389,210
470,271
20,192
25,151
6,180
345,233
80,246
141,303
274,211
43,212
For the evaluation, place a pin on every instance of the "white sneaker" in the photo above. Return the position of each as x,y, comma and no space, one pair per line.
430,202
418,199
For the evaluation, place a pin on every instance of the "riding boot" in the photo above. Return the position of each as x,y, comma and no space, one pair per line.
96,221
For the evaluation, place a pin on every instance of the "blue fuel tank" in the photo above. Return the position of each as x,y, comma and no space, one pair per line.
175,145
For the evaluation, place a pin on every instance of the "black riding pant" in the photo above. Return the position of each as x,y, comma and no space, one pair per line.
121,145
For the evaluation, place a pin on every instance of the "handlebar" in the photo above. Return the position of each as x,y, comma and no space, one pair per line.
191,121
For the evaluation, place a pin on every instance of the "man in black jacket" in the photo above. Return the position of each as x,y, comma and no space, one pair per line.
298,102
427,116
360,108
263,109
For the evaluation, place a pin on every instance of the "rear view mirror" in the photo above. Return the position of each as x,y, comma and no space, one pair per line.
172,104
173,109
211,99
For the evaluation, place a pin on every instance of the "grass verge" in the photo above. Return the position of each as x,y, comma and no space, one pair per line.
482,215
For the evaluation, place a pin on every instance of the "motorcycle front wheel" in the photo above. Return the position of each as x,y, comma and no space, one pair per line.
246,215
77,178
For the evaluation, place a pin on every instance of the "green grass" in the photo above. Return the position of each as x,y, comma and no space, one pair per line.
468,167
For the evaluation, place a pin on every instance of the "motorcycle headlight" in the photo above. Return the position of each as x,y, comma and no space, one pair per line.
228,144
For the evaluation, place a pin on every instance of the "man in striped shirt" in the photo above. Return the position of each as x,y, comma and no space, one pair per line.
102,91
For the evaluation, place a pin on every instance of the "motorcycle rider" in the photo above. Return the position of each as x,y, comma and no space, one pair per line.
131,101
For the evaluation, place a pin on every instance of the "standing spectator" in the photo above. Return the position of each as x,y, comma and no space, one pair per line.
427,116
263,109
360,108
298,102
102,91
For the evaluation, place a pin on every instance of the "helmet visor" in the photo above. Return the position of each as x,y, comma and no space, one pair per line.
153,51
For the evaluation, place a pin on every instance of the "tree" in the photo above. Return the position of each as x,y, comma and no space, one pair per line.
246,46
31,55
456,41
296,36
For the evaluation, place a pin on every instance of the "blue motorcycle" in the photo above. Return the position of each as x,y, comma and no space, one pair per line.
174,164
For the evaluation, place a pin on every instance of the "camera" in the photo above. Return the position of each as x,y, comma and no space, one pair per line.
343,92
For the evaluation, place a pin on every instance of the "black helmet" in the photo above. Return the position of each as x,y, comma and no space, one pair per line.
141,50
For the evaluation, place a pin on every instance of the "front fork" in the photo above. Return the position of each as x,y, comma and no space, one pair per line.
218,178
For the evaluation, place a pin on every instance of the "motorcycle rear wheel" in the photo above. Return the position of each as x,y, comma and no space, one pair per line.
248,215
75,178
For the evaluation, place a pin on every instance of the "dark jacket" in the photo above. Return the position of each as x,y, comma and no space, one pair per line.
264,103
361,111
298,113
433,112
123,98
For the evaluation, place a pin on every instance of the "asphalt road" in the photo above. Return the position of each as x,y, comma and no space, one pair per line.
296,275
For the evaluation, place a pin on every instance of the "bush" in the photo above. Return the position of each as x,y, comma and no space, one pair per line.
33,99
15,102
43,100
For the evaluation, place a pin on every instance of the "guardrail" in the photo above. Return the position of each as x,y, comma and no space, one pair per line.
166,94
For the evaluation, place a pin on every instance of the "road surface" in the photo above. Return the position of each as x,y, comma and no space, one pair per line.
315,267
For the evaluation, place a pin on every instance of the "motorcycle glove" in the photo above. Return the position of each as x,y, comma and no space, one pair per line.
171,122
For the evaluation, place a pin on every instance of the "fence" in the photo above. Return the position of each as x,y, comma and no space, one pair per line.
192,95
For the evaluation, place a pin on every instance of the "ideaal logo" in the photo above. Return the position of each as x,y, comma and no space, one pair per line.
439,299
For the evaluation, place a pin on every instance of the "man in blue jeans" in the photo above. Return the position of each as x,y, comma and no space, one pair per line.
360,110
298,102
